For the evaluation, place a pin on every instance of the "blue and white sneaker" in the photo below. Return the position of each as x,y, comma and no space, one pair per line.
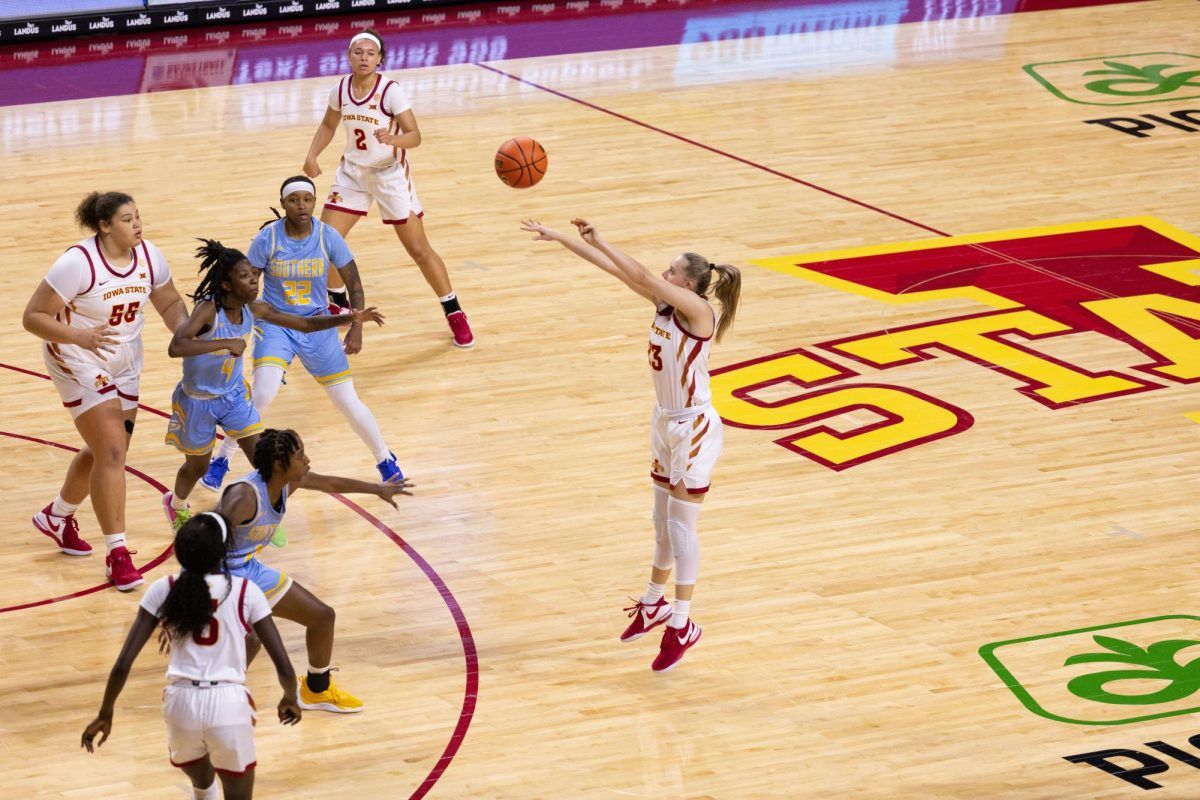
389,470
217,468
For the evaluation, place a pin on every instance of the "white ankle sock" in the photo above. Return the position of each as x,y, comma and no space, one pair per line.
114,540
211,793
654,593
447,298
360,418
61,508
178,503
679,613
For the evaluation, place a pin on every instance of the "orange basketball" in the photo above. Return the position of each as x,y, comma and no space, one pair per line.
520,162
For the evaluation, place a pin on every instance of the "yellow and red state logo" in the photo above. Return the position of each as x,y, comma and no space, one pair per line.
334,197
101,381
1134,280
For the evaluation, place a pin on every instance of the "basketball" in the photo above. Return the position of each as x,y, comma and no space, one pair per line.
520,162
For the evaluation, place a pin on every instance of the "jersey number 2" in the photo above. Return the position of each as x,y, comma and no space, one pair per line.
360,138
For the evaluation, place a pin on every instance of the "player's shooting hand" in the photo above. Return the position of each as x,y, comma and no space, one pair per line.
544,234
586,230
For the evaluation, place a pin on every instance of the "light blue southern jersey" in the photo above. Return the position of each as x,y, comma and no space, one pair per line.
256,534
295,273
210,375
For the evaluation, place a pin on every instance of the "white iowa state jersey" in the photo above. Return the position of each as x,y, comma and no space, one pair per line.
362,117
219,653
98,293
678,363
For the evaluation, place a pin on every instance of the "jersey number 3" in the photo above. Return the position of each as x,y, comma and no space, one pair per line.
655,354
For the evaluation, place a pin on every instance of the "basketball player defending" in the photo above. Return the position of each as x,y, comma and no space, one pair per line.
685,430
213,391
295,254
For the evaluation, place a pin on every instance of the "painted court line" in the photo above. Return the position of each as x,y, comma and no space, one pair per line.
861,203
470,653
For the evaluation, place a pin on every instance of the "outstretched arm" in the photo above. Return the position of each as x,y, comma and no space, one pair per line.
143,625
585,251
321,322
335,483
691,305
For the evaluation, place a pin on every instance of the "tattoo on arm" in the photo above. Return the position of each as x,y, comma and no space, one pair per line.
354,287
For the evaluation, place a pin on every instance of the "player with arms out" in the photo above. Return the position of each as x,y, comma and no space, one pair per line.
255,506
685,430
380,130
206,614
213,391
294,253
89,312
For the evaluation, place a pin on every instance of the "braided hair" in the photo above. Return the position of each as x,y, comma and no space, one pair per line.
216,262
275,446
200,547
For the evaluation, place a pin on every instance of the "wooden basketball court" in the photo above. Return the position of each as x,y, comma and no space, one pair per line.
957,394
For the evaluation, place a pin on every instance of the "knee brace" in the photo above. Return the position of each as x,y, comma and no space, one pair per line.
681,528
664,557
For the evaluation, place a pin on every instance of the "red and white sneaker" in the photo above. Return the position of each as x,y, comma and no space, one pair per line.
675,642
63,530
457,320
119,568
646,618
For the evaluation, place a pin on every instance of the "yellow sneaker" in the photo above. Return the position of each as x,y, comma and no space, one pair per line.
332,699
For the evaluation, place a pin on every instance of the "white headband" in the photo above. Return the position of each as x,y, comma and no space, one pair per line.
365,35
220,521
297,186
